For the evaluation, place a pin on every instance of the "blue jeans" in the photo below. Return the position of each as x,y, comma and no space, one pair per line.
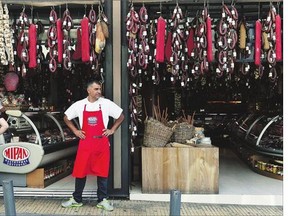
102,188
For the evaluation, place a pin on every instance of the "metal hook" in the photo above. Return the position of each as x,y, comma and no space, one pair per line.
85,7
160,8
278,7
259,10
32,12
23,8
59,15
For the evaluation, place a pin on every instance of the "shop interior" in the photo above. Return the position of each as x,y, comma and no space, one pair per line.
236,101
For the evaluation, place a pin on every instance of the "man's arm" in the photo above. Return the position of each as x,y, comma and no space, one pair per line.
76,131
117,123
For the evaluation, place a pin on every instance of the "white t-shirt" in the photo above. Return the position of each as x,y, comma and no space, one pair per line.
108,107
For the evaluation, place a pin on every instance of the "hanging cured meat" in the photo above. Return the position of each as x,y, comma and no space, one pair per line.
85,47
190,42
59,40
209,39
278,45
168,46
160,40
78,50
32,46
100,38
258,34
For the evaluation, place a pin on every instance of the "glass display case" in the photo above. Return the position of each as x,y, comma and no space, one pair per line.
259,140
37,140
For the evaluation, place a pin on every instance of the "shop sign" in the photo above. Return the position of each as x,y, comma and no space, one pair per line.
16,156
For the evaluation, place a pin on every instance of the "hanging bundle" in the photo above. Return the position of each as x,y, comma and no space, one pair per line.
32,46
59,40
168,46
100,38
258,34
278,45
78,50
209,39
160,40
190,42
85,47
242,35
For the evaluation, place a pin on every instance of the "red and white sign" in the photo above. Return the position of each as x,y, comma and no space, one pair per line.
16,156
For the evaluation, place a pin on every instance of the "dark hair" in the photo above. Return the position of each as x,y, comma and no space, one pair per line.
90,82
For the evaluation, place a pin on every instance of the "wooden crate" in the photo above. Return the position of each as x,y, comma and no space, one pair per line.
190,170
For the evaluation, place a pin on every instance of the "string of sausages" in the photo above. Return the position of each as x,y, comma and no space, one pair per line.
102,34
227,38
52,40
244,48
6,38
92,39
65,45
271,31
136,60
23,41
176,41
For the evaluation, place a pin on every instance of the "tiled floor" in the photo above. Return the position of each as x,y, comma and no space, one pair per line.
237,185
51,206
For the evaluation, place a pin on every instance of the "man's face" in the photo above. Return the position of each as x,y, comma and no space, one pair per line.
94,91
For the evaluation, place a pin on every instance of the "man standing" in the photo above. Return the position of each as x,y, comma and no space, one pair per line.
93,154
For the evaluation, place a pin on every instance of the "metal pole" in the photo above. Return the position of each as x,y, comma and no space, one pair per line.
9,201
175,202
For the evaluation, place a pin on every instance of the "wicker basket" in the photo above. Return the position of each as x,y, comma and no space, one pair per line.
156,134
182,132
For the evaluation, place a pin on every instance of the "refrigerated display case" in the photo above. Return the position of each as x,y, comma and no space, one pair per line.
38,149
259,141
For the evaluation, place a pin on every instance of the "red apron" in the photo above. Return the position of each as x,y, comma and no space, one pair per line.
93,154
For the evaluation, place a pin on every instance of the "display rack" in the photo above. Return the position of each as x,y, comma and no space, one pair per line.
258,140
39,146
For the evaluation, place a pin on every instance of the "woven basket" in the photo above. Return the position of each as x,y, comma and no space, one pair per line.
156,134
182,132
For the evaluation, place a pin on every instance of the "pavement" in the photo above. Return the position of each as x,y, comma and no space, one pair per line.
44,206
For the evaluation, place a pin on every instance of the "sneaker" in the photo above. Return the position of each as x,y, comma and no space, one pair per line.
71,203
104,204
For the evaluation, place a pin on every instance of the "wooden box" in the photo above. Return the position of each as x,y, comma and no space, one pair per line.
190,170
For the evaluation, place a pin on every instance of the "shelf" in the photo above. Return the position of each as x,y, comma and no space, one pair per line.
266,173
36,178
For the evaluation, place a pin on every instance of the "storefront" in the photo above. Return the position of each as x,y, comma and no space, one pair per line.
210,78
